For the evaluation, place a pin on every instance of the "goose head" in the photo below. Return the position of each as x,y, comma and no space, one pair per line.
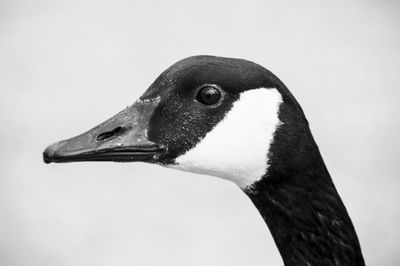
204,114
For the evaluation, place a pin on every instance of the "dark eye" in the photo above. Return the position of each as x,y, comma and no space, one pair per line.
208,95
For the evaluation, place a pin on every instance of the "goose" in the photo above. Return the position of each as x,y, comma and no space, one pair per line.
233,119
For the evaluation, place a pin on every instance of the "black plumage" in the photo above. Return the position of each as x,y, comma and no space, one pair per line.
299,202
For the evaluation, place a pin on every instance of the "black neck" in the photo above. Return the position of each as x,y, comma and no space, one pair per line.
300,204
309,223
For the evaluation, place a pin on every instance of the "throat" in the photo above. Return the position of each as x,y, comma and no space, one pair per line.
307,219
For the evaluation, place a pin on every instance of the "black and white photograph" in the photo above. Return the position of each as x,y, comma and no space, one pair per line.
199,133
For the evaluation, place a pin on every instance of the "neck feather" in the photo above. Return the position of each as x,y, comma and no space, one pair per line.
300,204
309,223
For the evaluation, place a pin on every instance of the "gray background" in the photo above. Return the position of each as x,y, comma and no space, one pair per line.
65,66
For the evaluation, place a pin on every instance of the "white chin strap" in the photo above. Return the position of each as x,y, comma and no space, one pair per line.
237,147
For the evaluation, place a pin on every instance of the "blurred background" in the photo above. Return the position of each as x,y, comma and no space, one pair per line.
66,66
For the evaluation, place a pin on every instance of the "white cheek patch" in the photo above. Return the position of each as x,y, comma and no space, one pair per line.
236,148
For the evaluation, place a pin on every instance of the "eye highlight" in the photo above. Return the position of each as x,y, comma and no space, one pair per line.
208,95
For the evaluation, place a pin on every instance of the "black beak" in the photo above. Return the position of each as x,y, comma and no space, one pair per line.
122,138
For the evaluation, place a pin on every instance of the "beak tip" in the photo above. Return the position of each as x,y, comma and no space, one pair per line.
48,155
46,158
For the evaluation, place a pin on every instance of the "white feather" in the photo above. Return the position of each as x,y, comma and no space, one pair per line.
236,148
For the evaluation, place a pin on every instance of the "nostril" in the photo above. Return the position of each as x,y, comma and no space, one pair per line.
117,130
111,134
